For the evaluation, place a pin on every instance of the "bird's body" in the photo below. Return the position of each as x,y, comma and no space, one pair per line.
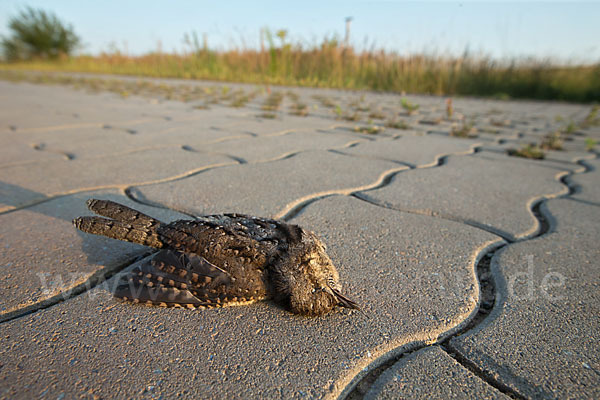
221,260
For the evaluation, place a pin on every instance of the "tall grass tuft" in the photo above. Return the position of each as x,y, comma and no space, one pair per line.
331,64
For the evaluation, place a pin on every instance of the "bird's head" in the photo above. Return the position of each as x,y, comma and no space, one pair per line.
311,280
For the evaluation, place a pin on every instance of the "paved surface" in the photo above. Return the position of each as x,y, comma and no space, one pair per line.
430,373
477,272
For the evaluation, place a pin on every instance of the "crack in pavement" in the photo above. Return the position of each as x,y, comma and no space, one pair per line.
487,301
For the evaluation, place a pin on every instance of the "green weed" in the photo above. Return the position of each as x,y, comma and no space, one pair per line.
552,141
465,130
370,129
396,124
409,107
532,151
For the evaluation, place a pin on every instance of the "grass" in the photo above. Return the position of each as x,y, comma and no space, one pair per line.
324,100
409,107
396,124
528,151
552,141
466,130
370,129
592,119
355,116
590,143
449,108
273,102
330,64
299,109
267,115
376,114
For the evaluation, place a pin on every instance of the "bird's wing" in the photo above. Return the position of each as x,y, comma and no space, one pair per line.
174,278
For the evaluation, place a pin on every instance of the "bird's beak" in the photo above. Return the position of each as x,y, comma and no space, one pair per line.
343,301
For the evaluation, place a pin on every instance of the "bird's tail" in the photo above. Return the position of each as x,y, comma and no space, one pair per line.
122,223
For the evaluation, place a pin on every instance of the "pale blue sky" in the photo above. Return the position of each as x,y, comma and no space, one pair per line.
568,31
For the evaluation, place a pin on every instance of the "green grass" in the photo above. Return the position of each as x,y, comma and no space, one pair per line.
465,130
273,102
552,141
370,129
592,119
409,107
590,143
329,64
532,151
396,124
449,108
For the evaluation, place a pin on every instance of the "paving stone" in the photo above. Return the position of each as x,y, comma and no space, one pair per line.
265,189
413,150
38,109
265,148
430,373
571,149
353,130
561,165
25,184
284,123
42,254
541,337
15,153
588,187
413,276
99,142
488,190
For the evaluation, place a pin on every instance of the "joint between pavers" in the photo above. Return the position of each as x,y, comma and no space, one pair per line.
93,281
372,372
482,374
491,286
295,207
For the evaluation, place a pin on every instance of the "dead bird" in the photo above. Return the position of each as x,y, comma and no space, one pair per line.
221,260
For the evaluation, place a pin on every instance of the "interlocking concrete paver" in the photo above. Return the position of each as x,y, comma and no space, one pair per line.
430,373
478,189
42,255
16,153
414,150
588,187
559,165
541,339
571,152
39,109
413,276
266,188
265,148
45,179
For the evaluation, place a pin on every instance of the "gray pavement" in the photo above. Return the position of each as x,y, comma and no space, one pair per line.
431,373
411,218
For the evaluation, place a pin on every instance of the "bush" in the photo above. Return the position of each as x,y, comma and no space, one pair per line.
37,34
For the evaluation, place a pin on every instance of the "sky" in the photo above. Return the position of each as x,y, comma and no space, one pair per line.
566,31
